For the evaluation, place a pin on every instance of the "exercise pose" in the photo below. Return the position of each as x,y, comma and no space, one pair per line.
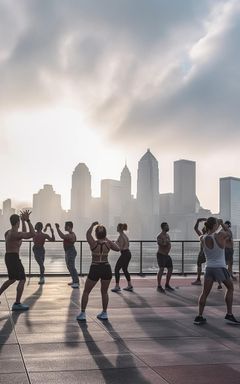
201,256
214,244
123,260
70,251
163,258
38,248
13,240
99,269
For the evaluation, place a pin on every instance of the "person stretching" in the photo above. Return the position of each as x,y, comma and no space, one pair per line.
201,256
163,258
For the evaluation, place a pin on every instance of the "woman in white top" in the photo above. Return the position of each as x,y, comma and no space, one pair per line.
214,244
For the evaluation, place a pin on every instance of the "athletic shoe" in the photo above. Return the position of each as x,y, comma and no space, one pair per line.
75,285
116,289
199,320
81,316
219,286
196,282
169,288
129,289
102,316
20,307
160,289
41,281
70,283
231,319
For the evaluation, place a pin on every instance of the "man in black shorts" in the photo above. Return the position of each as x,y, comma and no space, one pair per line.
13,240
163,258
229,251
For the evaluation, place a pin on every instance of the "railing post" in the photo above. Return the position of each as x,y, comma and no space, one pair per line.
30,258
80,257
182,257
141,264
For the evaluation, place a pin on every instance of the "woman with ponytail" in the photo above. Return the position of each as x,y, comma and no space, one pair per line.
123,260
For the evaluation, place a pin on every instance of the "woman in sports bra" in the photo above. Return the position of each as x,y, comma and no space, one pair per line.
38,248
99,269
123,260
214,244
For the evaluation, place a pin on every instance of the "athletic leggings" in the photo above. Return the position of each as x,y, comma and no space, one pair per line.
122,263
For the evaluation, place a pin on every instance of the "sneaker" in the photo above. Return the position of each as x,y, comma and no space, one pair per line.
160,289
75,285
219,286
199,320
129,289
196,282
169,288
102,316
116,289
231,319
41,281
19,307
70,283
81,316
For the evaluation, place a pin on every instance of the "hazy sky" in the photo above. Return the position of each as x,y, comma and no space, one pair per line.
101,81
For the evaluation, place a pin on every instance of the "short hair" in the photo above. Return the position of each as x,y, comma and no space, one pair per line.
14,219
122,226
38,226
228,222
100,232
211,221
163,224
69,224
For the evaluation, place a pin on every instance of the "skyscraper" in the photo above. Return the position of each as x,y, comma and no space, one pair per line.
125,181
81,192
185,187
148,194
111,202
230,199
47,205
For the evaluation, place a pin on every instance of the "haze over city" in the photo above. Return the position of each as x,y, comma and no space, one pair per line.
99,82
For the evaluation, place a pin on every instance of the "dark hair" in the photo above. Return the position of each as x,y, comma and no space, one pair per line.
100,232
228,223
163,225
14,219
209,224
38,226
122,227
69,224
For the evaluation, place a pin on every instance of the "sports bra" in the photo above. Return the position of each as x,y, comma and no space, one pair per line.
103,256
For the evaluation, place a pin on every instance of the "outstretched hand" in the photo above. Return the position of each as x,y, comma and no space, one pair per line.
95,223
25,214
57,225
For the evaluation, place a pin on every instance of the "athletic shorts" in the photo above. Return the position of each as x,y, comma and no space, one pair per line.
217,274
201,258
14,266
101,271
229,255
164,261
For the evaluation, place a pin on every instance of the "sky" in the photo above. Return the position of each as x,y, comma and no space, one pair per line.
99,82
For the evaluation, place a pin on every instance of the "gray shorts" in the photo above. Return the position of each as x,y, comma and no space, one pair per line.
217,274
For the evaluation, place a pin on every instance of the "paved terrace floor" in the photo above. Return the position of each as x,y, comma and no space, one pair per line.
149,338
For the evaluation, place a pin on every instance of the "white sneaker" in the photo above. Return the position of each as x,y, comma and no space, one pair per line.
75,285
81,316
102,316
116,289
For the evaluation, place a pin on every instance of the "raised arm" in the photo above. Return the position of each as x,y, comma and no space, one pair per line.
49,238
25,217
60,234
90,239
196,226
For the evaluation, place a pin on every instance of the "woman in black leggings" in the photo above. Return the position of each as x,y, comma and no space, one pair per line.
124,259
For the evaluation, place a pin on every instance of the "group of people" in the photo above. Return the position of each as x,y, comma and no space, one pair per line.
216,250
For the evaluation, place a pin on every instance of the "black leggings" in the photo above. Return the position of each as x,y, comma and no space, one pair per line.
122,263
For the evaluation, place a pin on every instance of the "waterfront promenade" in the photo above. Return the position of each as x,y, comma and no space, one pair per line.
149,338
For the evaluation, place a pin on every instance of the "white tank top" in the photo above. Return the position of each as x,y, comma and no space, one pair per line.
215,256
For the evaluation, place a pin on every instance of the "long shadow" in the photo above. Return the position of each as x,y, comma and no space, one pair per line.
75,296
95,352
10,324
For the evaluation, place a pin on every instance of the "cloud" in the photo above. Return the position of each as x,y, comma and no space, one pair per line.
168,68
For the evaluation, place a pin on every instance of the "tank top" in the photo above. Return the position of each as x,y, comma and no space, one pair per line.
215,256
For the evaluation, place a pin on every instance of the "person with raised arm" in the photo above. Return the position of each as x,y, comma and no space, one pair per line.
99,269
70,251
201,256
214,244
13,241
124,259
38,248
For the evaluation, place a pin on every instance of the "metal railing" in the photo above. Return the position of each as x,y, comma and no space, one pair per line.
184,254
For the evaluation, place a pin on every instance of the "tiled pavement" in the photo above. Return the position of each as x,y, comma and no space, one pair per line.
149,338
